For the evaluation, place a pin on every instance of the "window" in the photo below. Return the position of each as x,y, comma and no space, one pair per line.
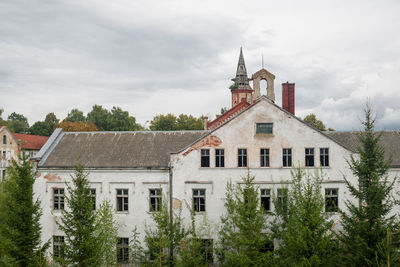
263,128
58,198
122,200
199,200
282,194
242,157
155,199
4,139
4,174
4,155
309,157
331,200
324,157
266,199
264,154
219,158
206,249
123,250
287,157
93,195
58,251
205,158
268,247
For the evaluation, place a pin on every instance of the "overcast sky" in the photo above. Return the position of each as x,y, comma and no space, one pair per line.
158,57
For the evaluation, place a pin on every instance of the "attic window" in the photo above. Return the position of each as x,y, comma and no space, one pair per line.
264,128
4,139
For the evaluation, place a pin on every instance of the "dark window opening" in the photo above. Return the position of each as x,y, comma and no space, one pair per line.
242,157
123,250
4,139
287,157
266,199
93,196
282,194
155,199
309,157
263,128
205,158
199,200
122,200
206,249
331,200
58,198
58,250
324,157
264,154
219,158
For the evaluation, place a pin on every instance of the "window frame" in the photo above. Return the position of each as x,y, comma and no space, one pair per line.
269,127
328,200
58,198
156,195
309,157
264,158
219,158
265,198
199,194
324,156
242,157
205,158
287,157
123,250
124,207
93,196
4,139
58,241
282,199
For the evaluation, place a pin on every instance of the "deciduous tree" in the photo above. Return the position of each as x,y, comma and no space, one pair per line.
69,126
75,115
315,122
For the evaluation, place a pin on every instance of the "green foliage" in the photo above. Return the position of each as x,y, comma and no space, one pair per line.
233,86
300,225
20,213
116,120
75,115
78,222
18,123
45,127
170,122
223,110
106,234
315,122
242,235
159,239
367,223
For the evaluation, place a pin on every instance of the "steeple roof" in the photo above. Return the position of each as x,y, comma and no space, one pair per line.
241,80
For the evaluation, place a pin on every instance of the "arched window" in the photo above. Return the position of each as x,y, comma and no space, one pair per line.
4,139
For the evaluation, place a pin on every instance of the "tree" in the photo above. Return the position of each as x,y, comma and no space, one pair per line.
20,214
242,235
222,111
52,122
316,123
170,122
106,234
99,116
159,240
121,121
75,115
70,126
40,128
367,223
78,222
300,224
18,123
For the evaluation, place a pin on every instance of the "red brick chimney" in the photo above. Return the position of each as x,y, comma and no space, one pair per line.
288,97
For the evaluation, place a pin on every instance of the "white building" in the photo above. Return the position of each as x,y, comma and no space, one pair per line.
133,169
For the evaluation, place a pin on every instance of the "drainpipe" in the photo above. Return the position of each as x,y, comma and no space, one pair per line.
171,253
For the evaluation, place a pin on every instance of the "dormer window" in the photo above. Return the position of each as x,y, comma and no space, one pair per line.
264,128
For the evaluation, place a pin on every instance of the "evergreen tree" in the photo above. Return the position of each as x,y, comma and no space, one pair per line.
242,235
20,212
78,222
367,222
300,226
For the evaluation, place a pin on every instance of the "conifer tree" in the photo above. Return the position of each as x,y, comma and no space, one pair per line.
367,222
20,212
78,222
242,235
303,232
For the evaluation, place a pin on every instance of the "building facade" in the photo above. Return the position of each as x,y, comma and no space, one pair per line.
135,169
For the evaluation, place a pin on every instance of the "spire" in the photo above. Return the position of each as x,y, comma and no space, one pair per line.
241,80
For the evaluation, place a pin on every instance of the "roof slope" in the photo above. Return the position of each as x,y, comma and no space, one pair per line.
390,141
28,141
118,149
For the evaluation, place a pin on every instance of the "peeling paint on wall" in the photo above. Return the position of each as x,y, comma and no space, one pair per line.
52,177
176,203
209,141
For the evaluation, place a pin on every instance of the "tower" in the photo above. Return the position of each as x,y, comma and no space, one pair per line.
240,89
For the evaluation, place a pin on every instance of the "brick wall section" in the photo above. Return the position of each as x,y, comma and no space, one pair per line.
288,102
227,115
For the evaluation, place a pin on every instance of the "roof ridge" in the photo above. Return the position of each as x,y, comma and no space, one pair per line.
105,132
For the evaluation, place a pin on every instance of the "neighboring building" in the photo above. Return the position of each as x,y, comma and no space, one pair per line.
8,150
134,169
29,143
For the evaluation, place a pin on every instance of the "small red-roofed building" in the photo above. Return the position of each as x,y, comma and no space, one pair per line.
29,143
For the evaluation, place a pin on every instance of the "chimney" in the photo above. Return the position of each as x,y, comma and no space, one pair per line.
205,123
288,97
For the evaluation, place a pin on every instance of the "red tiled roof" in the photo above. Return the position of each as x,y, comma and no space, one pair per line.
227,115
28,141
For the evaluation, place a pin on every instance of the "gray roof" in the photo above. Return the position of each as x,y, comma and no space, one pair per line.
117,149
390,141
